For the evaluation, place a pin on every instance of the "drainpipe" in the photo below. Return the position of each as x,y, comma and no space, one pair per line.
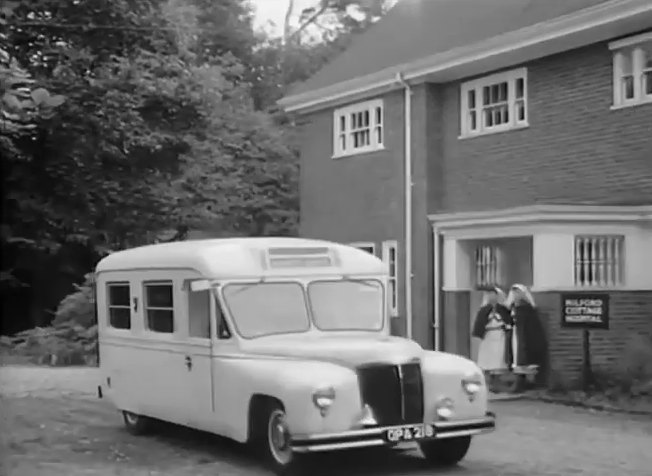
436,269
408,202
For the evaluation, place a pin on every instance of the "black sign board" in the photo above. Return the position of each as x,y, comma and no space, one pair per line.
585,311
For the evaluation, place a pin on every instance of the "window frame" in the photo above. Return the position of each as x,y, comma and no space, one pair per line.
147,307
392,292
109,306
361,107
619,262
631,49
511,77
368,246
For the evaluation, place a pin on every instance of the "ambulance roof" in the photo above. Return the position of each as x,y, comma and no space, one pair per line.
247,258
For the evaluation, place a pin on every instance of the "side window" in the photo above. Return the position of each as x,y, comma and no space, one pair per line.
119,305
159,306
223,331
199,312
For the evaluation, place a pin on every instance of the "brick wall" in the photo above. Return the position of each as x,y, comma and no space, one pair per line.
575,150
630,316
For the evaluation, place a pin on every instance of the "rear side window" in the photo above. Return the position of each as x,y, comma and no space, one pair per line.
159,307
119,303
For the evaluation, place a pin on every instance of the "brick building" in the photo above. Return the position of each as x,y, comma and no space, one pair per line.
528,159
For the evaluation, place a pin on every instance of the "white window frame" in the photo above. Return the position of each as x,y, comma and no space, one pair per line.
607,270
376,128
147,307
392,291
477,85
368,246
109,305
630,48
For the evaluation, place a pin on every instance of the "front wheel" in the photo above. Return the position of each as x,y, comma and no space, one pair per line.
445,452
272,440
136,424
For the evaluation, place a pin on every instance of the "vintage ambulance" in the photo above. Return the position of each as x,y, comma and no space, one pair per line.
283,343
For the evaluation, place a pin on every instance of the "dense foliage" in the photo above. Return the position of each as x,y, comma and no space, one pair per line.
131,121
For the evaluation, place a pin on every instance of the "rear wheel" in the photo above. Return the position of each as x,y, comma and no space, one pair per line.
136,424
445,452
271,438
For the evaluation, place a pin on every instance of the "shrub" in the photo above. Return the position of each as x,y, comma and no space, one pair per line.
634,371
78,307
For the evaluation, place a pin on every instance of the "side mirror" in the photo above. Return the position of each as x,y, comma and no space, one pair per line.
200,285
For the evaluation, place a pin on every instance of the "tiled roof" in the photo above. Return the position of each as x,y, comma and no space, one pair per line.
416,29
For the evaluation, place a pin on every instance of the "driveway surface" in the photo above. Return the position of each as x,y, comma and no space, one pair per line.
53,424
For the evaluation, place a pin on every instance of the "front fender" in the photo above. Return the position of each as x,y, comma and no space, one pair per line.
442,378
293,383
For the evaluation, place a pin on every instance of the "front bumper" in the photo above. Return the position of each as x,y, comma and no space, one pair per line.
376,436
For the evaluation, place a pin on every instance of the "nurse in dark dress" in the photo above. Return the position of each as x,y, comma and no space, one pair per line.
528,337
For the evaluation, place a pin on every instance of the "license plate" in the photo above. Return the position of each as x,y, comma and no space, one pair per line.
409,433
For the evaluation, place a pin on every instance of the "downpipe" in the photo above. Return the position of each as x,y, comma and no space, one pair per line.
408,201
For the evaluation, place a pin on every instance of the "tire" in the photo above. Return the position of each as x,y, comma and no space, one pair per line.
445,452
136,424
271,438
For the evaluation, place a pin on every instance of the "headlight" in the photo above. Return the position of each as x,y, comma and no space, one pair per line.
323,398
472,384
445,407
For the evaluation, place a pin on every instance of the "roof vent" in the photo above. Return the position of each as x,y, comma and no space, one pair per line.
304,257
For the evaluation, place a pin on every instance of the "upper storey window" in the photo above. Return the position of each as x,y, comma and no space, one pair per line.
358,128
632,70
494,103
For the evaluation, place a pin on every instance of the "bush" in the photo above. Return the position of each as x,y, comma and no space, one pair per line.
634,372
65,344
72,338
78,307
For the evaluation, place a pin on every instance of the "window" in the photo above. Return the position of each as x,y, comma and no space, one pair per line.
495,103
598,261
368,246
119,303
159,307
487,266
632,70
347,305
199,312
261,309
358,128
390,257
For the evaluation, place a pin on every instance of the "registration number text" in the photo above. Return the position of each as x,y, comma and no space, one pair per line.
410,433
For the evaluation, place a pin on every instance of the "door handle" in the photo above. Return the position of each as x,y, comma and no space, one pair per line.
189,362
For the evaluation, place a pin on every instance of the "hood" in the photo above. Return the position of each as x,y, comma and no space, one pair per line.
349,351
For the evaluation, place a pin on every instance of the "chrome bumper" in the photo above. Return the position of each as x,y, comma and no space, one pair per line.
376,436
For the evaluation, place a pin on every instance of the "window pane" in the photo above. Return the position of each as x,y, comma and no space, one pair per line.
647,83
347,305
343,141
159,295
119,295
379,115
520,111
488,118
160,320
120,317
379,135
647,54
366,118
471,99
502,92
520,87
486,99
393,294
354,121
342,123
199,312
473,121
267,308
627,63
628,87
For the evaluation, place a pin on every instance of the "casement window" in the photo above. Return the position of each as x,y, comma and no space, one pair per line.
119,305
494,103
632,70
390,257
599,260
367,246
159,306
488,263
358,128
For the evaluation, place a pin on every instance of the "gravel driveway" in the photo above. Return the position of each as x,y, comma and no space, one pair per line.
54,425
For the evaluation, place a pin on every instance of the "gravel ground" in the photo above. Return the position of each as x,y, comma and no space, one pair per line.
53,424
